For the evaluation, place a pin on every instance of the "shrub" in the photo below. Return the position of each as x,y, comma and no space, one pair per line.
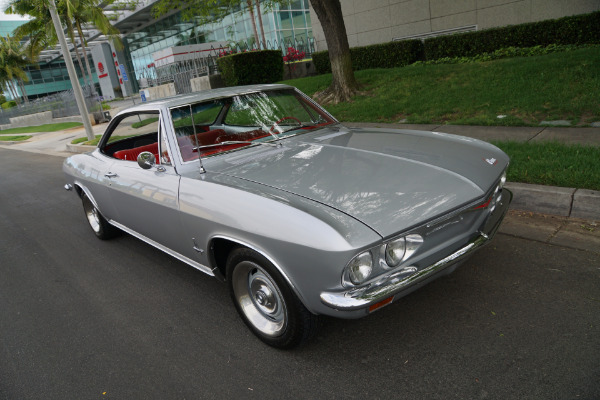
579,29
9,104
254,67
383,55
574,30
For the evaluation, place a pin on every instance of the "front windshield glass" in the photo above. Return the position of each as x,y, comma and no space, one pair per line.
216,126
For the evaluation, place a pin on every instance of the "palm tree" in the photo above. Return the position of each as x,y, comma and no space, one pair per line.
13,60
90,12
75,13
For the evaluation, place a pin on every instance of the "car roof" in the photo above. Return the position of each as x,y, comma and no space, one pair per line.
182,99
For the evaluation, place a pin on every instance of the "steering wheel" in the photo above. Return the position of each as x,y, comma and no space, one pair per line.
272,132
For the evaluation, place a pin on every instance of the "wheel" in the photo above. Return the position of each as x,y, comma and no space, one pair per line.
266,303
97,222
271,131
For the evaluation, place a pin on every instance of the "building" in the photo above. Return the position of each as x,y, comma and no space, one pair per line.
379,21
122,72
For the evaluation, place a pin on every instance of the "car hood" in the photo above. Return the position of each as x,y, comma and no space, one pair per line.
391,180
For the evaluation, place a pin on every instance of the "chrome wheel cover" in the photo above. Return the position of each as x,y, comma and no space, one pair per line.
259,298
93,218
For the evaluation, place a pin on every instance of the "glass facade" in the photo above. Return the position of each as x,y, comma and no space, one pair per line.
284,26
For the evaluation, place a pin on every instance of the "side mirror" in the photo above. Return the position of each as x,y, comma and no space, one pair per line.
146,160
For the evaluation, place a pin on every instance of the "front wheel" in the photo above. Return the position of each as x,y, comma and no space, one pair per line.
98,223
266,303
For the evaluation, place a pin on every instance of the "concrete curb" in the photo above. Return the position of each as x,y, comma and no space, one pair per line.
564,202
79,148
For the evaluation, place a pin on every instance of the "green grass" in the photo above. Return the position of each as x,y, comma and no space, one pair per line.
144,122
18,138
527,90
85,141
554,164
42,128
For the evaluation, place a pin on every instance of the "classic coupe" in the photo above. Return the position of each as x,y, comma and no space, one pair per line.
302,216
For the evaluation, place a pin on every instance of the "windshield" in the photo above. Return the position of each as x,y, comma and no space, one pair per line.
216,126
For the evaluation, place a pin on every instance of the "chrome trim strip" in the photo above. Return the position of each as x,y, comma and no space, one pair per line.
398,280
159,246
394,282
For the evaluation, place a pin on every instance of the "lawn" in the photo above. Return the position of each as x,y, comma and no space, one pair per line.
18,138
42,128
554,164
526,90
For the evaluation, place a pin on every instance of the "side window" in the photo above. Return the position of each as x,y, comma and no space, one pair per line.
134,134
194,126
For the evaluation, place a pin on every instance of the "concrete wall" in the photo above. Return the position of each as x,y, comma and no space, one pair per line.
206,83
162,91
378,21
41,118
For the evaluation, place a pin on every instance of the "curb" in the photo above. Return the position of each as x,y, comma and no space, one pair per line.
79,148
564,202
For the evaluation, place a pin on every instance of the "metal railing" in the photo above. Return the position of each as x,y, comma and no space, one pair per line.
61,105
180,73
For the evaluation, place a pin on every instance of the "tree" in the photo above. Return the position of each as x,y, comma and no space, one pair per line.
13,60
75,13
343,85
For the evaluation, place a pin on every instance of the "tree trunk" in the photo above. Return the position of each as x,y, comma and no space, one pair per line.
85,57
72,37
251,9
23,92
260,22
13,91
343,84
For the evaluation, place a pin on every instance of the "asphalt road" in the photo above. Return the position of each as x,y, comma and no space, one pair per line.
85,319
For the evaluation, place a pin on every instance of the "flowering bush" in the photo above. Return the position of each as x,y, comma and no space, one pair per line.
293,55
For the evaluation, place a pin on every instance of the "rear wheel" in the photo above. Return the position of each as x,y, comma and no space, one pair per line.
98,223
266,303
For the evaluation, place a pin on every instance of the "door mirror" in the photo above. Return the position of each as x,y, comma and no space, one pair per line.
146,160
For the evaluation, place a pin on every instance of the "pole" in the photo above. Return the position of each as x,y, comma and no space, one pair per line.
71,70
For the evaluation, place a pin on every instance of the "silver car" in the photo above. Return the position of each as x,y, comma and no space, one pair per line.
302,216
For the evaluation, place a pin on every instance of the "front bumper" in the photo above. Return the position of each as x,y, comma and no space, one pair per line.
398,283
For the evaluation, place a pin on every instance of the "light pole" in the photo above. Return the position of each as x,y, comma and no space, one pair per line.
71,70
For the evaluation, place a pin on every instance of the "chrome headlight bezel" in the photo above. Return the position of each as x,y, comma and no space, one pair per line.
358,270
412,242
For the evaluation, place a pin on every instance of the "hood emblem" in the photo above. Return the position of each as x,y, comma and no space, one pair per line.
491,161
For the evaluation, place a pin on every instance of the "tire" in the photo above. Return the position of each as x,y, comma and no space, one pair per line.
266,303
100,226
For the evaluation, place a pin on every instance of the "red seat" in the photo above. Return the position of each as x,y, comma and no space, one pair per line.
132,154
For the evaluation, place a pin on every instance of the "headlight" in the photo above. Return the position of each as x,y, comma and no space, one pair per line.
394,252
360,268
401,249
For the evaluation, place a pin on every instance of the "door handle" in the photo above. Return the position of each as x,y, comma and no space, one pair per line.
110,175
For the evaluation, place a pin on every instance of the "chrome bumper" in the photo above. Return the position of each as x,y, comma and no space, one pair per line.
400,280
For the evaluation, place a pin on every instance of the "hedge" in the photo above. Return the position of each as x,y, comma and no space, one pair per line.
579,29
254,67
383,55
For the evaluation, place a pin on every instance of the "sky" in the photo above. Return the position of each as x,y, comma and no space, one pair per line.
5,17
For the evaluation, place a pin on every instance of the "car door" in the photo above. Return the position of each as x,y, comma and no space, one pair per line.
146,199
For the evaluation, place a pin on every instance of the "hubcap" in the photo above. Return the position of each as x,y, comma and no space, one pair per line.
259,298
92,216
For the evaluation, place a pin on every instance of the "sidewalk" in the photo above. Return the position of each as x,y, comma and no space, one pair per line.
564,202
